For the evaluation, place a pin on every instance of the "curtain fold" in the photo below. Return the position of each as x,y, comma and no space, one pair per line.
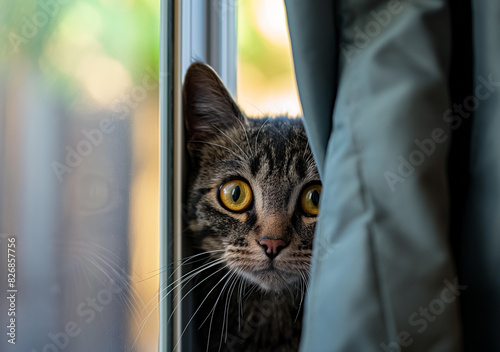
384,275
318,76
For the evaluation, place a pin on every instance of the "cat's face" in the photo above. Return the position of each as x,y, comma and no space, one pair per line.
254,188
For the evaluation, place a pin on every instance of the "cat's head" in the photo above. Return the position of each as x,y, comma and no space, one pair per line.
254,188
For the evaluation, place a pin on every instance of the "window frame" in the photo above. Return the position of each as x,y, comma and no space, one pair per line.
191,30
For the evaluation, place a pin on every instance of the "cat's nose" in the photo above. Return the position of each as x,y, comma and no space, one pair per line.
272,247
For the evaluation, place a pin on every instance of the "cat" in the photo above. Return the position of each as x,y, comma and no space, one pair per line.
252,202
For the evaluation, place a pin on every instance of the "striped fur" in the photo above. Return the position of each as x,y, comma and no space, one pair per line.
250,302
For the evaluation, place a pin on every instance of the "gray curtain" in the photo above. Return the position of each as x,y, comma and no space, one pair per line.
402,106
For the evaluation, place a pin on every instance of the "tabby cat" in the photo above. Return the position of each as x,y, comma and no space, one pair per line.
252,201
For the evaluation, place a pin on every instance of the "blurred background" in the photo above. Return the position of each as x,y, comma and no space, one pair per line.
79,161
79,185
265,77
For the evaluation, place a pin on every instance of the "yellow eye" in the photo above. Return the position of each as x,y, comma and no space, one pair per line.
309,200
236,195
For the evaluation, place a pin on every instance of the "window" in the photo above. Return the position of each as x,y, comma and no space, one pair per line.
199,31
266,79
230,36
89,190
79,184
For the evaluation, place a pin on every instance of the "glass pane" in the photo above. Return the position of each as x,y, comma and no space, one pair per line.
266,79
79,165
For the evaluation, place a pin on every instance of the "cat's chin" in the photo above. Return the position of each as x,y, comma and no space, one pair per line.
271,280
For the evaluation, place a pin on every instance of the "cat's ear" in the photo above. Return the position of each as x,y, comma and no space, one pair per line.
208,107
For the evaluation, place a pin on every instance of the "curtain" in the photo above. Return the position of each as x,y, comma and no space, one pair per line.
402,107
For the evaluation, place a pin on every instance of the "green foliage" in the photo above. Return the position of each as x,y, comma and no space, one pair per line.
255,48
127,31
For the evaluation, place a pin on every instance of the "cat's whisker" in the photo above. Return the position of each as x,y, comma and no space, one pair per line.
221,146
310,160
197,270
233,273
228,161
145,320
184,261
121,281
258,132
305,150
252,289
201,304
281,134
125,299
92,246
184,284
76,282
304,279
202,253
239,281
213,308
292,297
187,259
226,308
302,289
246,136
198,284
84,269
187,276
211,315
308,278
240,303
301,136
232,141
181,261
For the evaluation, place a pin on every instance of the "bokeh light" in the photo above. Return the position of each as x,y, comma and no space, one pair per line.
266,79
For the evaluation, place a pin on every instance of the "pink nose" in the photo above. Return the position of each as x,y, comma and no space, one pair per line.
272,247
